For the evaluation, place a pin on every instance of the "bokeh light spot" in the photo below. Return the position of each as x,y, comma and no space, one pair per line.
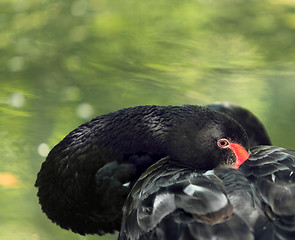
43,149
85,111
8,180
16,100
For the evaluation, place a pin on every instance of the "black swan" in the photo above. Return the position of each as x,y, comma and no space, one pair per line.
86,178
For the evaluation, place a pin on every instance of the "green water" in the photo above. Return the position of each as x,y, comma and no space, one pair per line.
64,62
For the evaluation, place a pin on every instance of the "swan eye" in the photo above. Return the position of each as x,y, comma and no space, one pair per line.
223,143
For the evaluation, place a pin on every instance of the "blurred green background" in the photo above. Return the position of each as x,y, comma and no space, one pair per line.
64,62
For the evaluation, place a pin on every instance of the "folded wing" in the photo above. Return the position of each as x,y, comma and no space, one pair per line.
173,202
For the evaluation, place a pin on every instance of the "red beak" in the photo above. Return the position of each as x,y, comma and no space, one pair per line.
241,154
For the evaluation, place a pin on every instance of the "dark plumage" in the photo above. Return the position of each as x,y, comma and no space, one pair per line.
256,132
172,201
270,171
83,183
